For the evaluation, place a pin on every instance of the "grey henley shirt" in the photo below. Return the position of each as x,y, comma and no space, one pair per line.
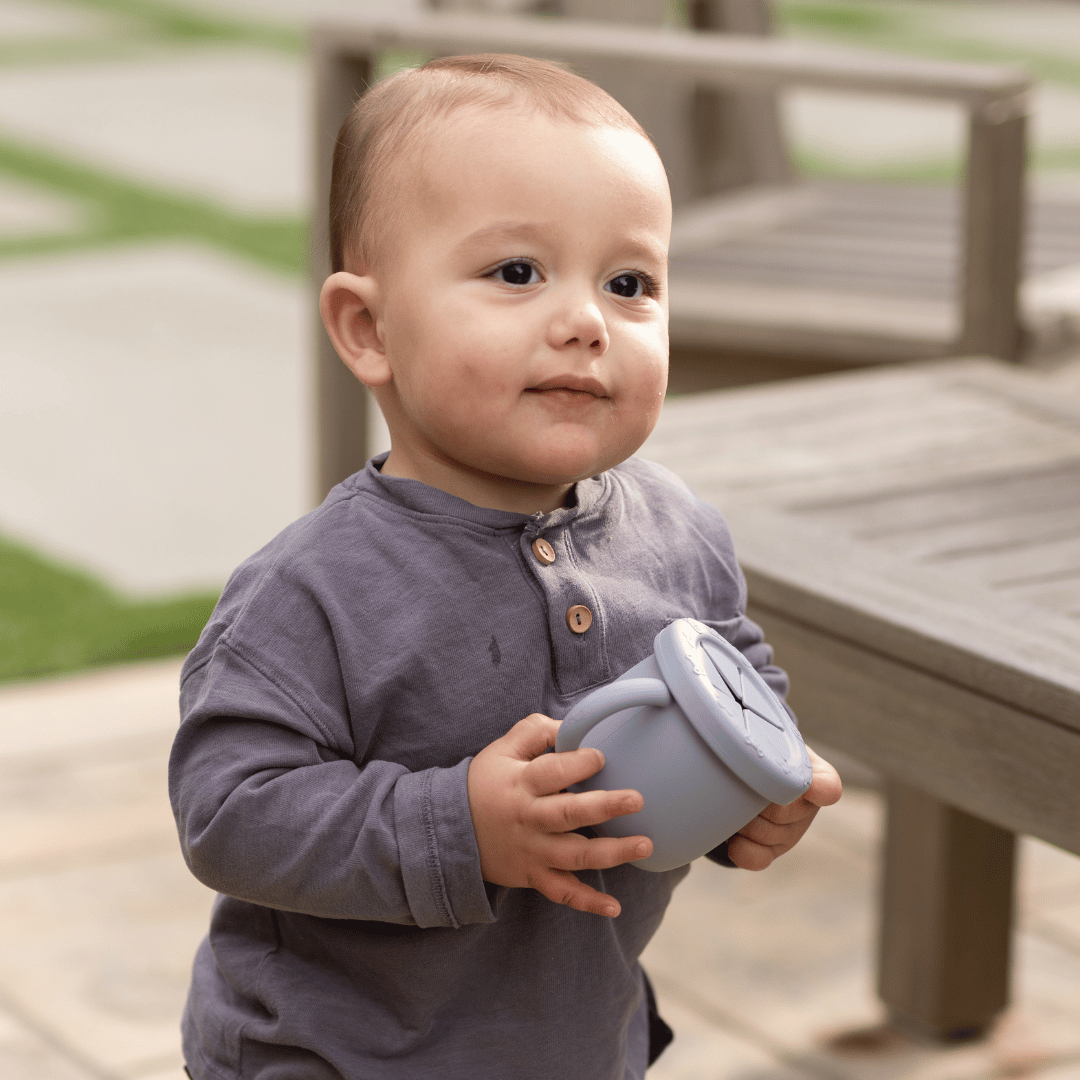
330,711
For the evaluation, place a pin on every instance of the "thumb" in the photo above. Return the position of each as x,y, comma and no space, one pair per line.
825,787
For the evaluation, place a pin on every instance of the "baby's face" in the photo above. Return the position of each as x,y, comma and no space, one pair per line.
522,306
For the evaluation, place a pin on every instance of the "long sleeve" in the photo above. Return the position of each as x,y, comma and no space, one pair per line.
269,812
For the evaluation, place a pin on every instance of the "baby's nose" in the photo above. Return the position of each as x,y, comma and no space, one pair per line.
596,344
581,326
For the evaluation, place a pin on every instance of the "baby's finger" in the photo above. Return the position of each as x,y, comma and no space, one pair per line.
563,888
747,855
790,813
763,831
574,852
564,813
550,773
529,738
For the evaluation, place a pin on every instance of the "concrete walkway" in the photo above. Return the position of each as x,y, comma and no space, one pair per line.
764,976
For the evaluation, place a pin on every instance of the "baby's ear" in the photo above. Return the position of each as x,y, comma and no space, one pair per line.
347,303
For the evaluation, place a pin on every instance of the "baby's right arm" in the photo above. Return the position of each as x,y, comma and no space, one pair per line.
524,818
274,807
269,813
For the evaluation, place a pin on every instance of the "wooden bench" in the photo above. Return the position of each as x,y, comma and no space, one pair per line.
346,52
911,540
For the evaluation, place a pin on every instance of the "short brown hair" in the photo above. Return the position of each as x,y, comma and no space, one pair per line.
390,121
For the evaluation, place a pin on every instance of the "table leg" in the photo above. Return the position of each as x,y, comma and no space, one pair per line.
946,918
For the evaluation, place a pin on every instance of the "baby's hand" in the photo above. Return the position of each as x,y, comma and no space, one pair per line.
524,820
778,828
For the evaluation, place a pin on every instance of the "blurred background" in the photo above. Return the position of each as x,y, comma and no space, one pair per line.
156,427
155,319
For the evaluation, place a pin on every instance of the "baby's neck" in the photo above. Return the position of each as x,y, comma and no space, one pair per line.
479,488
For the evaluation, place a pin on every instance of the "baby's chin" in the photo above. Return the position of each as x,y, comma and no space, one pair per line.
557,467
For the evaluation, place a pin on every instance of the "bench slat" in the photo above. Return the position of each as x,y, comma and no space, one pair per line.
727,61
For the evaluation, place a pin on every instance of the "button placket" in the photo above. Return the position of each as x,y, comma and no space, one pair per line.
574,615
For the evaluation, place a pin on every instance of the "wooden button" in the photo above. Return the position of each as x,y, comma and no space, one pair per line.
579,618
544,552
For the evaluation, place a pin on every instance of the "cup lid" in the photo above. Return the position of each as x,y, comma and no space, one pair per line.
733,710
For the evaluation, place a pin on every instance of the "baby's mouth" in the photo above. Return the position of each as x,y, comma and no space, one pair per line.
574,384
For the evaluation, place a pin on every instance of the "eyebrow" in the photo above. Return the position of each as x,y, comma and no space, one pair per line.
506,230
510,231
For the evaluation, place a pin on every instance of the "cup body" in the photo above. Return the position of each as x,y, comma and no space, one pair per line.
692,800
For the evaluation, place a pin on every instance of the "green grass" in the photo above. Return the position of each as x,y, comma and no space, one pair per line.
125,210
143,27
54,619
932,171
859,20
181,25
1059,157
899,28
929,171
72,50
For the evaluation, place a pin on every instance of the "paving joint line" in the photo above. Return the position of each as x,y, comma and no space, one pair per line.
149,846
133,747
734,1025
1040,927
53,1041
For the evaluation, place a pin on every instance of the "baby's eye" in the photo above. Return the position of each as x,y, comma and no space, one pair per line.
517,273
631,286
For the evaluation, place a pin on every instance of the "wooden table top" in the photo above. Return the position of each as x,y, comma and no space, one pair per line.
928,514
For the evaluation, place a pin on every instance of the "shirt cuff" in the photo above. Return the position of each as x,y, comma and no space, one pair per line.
719,855
440,862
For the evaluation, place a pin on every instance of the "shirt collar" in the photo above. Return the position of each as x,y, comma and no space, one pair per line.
421,498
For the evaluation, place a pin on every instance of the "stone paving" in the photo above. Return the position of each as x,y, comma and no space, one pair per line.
764,976
183,400
154,427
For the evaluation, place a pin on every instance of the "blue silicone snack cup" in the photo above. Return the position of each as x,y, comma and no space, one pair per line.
698,732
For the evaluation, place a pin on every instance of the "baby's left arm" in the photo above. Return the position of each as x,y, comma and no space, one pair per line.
778,829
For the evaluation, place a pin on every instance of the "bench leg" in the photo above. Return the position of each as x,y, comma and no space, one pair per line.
341,401
946,918
993,235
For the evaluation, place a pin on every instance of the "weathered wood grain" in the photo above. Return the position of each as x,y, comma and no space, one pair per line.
1002,764
341,401
952,628
948,902
837,440
818,478
1022,565
994,230
806,323
911,542
725,61
1000,509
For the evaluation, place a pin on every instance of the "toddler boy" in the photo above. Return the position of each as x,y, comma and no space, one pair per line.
408,890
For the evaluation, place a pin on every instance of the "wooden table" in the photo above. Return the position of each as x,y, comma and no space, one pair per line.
911,539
